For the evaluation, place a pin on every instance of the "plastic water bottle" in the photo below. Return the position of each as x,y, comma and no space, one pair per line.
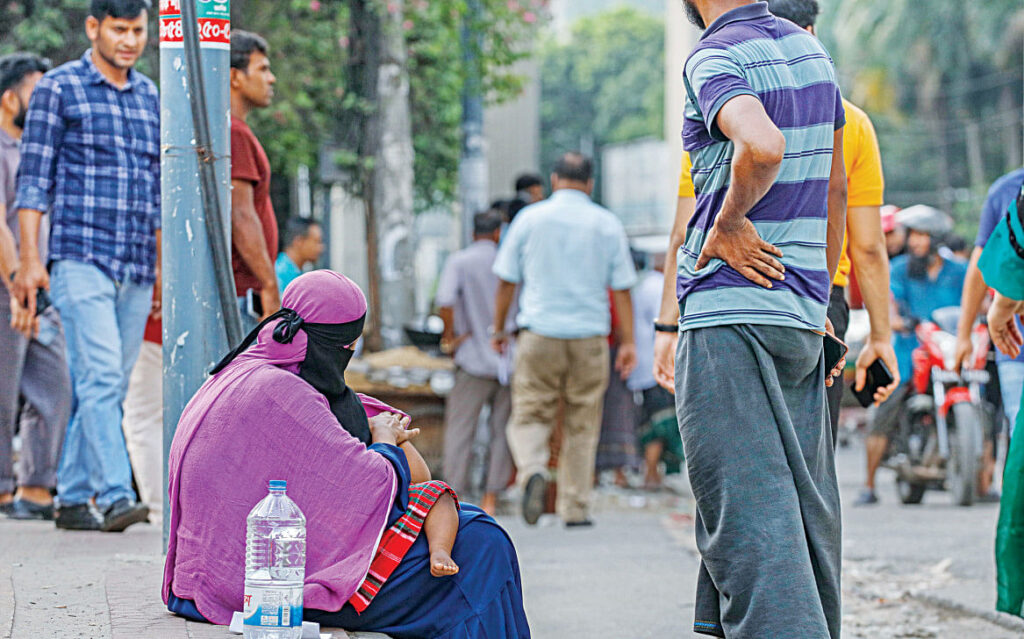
275,567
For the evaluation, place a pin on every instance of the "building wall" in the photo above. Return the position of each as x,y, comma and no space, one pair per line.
512,131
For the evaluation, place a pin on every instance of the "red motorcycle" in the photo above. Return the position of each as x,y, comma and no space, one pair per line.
943,421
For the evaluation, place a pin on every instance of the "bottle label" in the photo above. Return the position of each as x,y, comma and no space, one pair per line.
269,608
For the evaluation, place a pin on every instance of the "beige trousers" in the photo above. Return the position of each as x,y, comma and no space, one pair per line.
143,426
574,371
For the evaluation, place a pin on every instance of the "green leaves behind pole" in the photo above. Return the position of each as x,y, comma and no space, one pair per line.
310,54
603,83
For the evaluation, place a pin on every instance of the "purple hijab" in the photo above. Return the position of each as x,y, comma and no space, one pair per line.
257,420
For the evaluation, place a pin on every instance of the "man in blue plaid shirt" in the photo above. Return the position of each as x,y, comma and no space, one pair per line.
91,159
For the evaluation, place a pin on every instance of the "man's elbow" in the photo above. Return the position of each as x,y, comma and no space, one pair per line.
837,191
768,150
870,253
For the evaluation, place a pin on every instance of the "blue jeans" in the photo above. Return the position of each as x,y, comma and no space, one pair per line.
1011,384
103,323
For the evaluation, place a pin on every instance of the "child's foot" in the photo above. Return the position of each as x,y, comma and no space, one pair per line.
442,564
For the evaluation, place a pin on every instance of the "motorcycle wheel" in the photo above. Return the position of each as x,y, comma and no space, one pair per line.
911,493
964,453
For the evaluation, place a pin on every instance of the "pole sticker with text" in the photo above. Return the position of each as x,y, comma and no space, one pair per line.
213,16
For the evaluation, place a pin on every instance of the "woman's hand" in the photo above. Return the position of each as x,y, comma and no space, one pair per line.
389,428
1003,327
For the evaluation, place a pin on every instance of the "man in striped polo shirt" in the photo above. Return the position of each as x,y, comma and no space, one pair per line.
763,125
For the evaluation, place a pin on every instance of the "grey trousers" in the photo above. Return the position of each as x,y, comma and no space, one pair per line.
752,415
462,413
36,370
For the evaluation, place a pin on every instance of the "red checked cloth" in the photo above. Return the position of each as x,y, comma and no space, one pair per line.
397,540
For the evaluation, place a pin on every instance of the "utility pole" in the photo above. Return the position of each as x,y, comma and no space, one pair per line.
473,179
200,316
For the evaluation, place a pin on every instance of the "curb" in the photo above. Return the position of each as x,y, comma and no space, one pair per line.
1001,619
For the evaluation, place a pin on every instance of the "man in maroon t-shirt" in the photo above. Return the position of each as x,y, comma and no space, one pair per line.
253,226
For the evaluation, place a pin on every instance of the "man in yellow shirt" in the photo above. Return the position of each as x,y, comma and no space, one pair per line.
864,250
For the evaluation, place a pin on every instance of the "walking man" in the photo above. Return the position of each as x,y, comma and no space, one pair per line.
91,159
763,125
253,225
303,244
566,253
34,366
1011,370
466,297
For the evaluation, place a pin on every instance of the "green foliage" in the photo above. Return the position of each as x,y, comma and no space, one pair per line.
931,78
603,84
310,56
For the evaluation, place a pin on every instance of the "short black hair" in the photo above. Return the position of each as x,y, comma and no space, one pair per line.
14,68
297,227
128,9
804,13
243,44
526,180
956,243
486,222
574,166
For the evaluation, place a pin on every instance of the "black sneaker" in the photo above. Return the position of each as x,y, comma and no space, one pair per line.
534,497
79,517
123,513
6,508
30,510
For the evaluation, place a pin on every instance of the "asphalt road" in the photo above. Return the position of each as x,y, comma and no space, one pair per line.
633,574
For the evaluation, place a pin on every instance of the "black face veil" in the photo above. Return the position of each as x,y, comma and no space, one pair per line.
327,357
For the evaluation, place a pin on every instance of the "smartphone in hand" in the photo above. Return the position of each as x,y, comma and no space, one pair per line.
835,350
879,376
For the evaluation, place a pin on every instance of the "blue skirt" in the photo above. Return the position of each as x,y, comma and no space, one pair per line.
483,601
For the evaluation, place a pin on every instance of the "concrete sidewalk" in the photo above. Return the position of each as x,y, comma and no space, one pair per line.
88,585
625,577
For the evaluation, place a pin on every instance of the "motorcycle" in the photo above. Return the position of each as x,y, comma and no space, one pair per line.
943,422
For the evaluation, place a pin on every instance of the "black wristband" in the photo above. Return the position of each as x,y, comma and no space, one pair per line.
666,328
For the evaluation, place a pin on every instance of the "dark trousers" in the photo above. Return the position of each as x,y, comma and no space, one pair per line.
839,315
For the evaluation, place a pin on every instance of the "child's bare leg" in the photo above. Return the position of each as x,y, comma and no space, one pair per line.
440,527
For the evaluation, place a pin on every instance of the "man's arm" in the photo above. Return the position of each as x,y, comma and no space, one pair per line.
8,252
32,274
836,205
871,263
247,238
970,305
450,342
502,302
757,158
625,359
665,343
40,146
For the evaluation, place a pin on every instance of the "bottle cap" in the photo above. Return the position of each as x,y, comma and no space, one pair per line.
278,484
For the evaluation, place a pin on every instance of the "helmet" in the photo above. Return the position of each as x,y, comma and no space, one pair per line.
889,218
925,219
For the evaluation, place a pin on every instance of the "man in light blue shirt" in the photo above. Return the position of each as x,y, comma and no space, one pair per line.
566,253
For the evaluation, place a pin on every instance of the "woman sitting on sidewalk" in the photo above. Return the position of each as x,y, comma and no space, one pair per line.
276,410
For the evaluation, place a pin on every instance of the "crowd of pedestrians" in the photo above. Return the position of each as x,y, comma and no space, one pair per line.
553,323
80,258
